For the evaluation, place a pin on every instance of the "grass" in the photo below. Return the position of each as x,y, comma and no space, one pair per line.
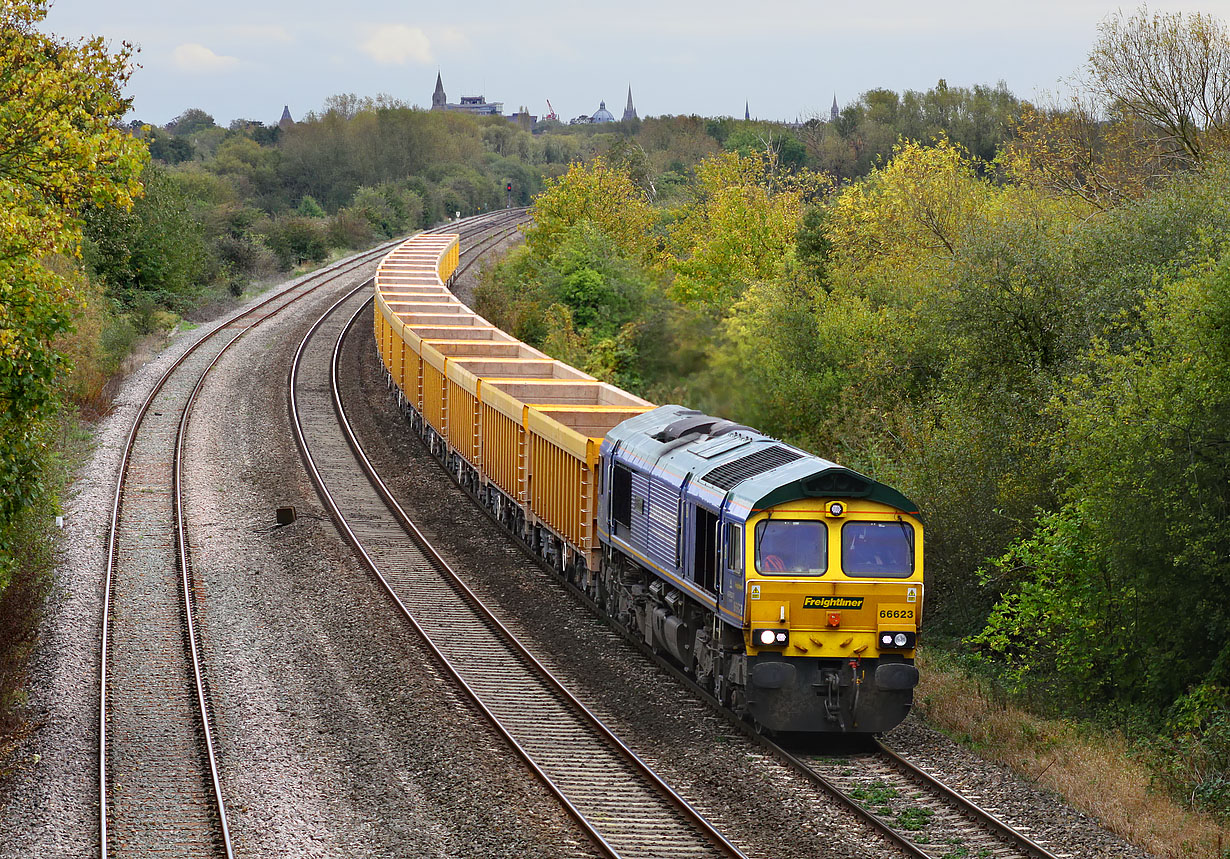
877,793
1094,769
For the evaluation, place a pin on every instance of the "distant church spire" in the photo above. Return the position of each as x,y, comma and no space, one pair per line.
438,98
747,110
834,112
285,121
629,111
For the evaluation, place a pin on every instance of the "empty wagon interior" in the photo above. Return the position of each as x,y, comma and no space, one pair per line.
495,371
591,422
568,392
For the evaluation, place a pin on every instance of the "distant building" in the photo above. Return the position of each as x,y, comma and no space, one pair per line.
630,110
834,112
285,122
602,114
747,110
439,101
523,117
475,105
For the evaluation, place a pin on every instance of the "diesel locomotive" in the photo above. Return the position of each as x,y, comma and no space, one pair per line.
788,586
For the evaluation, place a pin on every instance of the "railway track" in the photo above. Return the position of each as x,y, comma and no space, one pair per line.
910,808
921,814
501,228
160,792
621,804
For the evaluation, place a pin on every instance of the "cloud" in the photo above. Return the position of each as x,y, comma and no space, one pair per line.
397,44
198,59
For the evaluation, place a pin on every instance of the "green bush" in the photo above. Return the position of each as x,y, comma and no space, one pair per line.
1192,759
1125,594
295,240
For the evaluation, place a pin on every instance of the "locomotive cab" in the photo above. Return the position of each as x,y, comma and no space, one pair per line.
833,597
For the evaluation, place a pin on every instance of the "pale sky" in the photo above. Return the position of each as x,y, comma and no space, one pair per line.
787,58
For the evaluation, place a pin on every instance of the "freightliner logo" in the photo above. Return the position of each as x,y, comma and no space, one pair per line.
833,602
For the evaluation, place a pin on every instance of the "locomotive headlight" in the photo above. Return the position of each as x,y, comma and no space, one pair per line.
836,509
893,640
771,637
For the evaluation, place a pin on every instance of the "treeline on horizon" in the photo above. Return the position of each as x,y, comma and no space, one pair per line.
224,207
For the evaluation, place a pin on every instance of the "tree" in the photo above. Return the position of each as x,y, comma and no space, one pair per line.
785,149
912,212
1171,70
61,147
190,122
152,254
1072,151
739,228
605,196
1123,593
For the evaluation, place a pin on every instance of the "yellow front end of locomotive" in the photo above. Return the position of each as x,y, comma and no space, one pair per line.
832,579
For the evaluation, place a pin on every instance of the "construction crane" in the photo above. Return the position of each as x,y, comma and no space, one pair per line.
551,115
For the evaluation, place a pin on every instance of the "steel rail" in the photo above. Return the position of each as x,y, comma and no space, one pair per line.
330,273
715,837
1004,830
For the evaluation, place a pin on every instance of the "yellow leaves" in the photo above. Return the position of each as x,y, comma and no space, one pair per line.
915,208
1075,153
61,148
739,228
60,139
596,192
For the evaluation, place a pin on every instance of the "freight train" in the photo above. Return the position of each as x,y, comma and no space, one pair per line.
789,587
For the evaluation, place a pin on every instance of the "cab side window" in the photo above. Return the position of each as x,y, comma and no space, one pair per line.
621,495
734,548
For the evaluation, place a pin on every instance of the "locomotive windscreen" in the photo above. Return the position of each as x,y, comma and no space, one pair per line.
877,549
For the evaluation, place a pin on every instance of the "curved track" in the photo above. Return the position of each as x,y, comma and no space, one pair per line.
626,809
159,787
912,809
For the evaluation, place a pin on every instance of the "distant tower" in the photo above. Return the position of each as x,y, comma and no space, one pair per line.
747,110
630,111
438,99
285,122
833,111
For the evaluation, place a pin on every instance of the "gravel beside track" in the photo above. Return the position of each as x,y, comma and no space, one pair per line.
336,736
49,807
1038,813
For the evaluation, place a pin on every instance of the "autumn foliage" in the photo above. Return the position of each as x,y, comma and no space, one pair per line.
60,150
